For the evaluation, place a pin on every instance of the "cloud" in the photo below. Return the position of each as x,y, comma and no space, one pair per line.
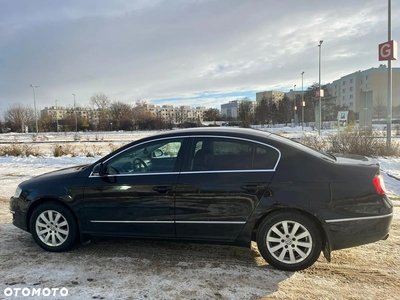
171,50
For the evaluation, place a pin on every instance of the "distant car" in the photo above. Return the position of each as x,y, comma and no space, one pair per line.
218,185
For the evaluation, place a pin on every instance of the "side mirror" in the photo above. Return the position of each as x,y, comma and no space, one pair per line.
98,169
158,153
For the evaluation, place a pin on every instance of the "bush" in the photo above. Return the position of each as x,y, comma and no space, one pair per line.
95,151
352,142
19,150
64,149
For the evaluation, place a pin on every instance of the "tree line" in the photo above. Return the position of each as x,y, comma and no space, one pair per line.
109,115
118,115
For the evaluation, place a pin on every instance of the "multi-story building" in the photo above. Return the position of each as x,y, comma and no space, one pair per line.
59,112
231,109
354,90
274,95
177,114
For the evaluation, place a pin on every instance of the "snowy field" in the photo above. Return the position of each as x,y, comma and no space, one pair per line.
13,170
132,269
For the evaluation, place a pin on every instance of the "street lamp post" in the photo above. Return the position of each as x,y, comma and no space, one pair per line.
390,88
302,102
56,116
76,120
34,103
319,86
294,106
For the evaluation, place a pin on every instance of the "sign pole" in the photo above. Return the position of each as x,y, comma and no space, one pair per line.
389,92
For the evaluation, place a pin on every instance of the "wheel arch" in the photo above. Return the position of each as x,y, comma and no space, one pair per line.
323,233
38,202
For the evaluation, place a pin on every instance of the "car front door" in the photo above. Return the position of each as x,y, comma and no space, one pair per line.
134,194
221,183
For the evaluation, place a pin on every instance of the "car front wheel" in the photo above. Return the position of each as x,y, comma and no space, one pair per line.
289,240
53,227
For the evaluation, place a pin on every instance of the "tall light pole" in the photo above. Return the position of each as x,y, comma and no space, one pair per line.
294,106
56,116
389,90
319,86
76,120
34,103
302,102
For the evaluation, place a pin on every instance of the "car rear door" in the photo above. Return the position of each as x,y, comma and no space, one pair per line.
221,183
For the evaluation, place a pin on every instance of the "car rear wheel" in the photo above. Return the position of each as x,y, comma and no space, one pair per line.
289,240
53,227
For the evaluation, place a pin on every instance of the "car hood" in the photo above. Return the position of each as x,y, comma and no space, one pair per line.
61,174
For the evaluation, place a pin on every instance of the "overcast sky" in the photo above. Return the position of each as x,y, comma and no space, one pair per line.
182,52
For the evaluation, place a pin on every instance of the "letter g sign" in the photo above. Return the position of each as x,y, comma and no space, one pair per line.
388,51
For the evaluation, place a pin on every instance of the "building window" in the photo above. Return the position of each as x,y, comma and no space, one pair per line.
343,98
351,80
366,77
344,82
351,89
351,104
344,90
351,96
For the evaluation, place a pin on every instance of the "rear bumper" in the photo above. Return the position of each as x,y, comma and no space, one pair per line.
351,232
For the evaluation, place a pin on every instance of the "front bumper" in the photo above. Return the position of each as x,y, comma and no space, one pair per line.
19,216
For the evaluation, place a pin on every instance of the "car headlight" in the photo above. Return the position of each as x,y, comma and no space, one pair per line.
18,192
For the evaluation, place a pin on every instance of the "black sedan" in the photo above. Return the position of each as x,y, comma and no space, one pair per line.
227,186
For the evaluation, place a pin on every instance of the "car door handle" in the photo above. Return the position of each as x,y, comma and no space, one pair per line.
162,189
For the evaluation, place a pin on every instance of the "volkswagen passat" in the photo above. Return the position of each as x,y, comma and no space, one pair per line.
228,186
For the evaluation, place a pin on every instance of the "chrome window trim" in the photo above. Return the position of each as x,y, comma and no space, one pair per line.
198,172
134,174
243,139
159,139
358,218
227,171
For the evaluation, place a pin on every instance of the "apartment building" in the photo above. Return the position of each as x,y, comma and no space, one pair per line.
231,109
274,95
59,113
177,114
357,89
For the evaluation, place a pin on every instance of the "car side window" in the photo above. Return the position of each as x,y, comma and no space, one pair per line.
213,154
265,158
153,157
221,154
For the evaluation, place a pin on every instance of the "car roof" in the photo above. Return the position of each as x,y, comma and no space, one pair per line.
231,131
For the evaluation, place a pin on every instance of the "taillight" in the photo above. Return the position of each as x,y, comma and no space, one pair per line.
379,184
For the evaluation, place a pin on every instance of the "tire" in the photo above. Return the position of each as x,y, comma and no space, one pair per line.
53,227
289,240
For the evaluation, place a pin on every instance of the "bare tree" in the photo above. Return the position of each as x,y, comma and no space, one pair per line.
18,116
121,115
245,114
211,114
101,103
379,106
